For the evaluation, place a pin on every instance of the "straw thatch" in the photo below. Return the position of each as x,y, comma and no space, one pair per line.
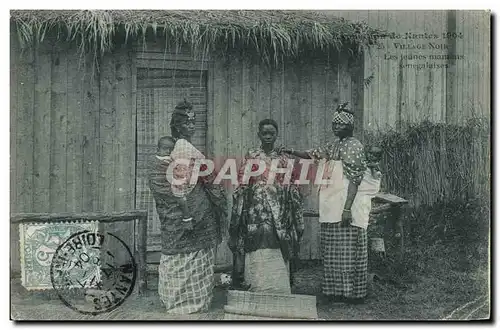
271,35
431,163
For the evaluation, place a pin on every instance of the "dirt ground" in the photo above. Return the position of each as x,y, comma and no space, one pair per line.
432,295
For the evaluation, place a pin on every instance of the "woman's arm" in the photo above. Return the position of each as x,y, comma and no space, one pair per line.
300,154
352,190
354,167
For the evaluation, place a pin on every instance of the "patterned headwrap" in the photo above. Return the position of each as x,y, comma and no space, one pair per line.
183,110
182,113
343,115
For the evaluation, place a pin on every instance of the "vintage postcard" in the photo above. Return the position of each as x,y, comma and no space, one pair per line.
250,165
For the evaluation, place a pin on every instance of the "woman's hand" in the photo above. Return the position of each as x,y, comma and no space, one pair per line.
283,149
293,152
346,218
188,225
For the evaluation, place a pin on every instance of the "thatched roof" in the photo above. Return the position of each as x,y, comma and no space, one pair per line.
273,35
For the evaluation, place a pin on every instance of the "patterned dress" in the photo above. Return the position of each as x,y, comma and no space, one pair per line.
266,225
344,249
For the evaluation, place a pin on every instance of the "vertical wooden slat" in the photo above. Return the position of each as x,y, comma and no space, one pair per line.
383,103
132,138
331,96
246,103
142,157
294,101
221,111
276,101
210,110
408,75
475,75
464,67
154,223
74,155
235,150
264,92
486,64
392,24
318,116
305,105
361,95
292,105
468,97
14,113
107,127
304,128
480,49
406,79
472,100
58,131
377,84
157,99
124,147
14,108
421,111
41,129
90,143
357,97
283,120
344,79
235,106
140,224
24,131
439,104
286,134
223,254
319,109
451,73
461,69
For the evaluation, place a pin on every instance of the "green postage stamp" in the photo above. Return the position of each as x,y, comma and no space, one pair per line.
38,243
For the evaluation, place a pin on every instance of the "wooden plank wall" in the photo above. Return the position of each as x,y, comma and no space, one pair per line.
71,143
414,95
473,75
300,96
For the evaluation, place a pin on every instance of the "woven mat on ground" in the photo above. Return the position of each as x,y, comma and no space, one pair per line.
244,305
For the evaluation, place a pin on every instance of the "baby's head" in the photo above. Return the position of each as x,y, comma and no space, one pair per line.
373,154
165,146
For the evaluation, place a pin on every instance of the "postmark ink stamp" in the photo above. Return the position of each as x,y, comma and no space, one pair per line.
89,274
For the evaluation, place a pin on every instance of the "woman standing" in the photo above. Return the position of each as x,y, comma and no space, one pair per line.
267,221
186,271
343,217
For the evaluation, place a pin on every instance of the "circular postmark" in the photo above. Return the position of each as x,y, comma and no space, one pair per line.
93,273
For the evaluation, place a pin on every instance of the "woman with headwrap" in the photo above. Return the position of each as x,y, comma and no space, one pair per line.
343,213
186,270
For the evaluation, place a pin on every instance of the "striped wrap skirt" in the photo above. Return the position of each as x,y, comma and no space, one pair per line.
345,260
186,281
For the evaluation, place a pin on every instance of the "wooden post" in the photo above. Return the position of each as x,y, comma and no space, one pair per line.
398,212
142,230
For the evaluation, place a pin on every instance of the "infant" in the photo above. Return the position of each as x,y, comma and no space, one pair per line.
182,149
373,155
